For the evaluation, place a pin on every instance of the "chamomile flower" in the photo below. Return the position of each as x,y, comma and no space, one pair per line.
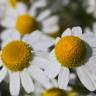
17,61
77,51
26,21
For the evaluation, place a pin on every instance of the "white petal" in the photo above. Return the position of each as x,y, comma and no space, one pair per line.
40,62
89,38
63,78
11,13
21,9
8,22
26,82
30,37
50,29
3,73
41,42
94,28
39,4
35,6
14,83
57,39
38,75
2,1
2,10
32,12
54,67
77,31
50,21
90,64
9,35
67,32
86,78
44,15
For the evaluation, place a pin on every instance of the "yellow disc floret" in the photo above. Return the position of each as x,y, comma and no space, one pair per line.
54,92
25,24
16,55
70,51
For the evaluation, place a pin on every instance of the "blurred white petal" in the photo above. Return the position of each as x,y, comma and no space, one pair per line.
50,21
43,15
51,29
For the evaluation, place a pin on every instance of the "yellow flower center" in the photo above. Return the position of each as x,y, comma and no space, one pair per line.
16,55
55,92
26,24
70,51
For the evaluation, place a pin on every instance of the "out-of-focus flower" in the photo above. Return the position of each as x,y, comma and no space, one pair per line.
24,21
91,8
77,51
65,2
40,89
18,62
38,3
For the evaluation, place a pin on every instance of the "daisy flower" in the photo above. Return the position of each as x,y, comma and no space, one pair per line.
26,21
18,62
77,51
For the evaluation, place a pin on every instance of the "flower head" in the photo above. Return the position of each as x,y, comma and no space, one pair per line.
26,21
20,59
77,51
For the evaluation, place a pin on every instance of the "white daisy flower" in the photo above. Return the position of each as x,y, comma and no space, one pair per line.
26,21
77,51
18,62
